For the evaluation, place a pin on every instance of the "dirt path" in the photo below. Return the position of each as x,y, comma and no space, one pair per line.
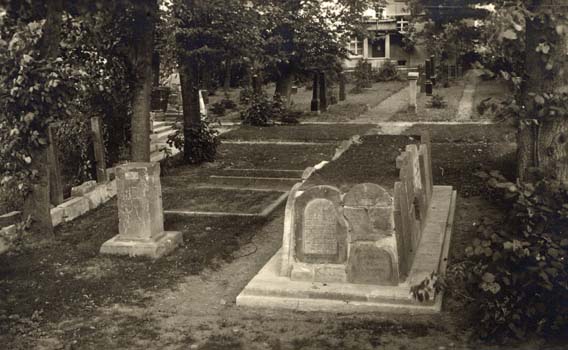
386,109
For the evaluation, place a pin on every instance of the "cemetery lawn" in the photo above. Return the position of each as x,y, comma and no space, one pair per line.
297,133
218,200
186,300
355,105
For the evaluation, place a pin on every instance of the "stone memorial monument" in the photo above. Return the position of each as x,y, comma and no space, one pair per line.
361,250
140,215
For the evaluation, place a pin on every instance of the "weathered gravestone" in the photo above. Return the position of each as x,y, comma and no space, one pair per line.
360,250
372,255
412,91
140,214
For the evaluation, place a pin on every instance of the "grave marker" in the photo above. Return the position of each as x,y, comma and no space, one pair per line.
140,214
315,101
369,264
321,232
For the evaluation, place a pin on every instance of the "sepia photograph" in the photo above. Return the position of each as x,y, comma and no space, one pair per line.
284,174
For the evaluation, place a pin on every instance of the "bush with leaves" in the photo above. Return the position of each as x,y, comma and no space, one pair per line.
362,74
35,92
261,111
204,141
437,101
518,268
218,109
387,72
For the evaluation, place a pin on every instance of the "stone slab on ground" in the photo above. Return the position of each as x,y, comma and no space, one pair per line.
151,248
269,289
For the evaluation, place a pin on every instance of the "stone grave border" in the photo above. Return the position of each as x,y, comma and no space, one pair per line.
271,288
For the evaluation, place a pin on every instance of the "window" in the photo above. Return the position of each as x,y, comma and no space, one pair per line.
401,24
378,48
356,47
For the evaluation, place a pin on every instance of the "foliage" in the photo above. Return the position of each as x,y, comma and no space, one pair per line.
518,268
428,288
35,92
245,95
204,141
218,109
437,101
261,111
363,76
387,72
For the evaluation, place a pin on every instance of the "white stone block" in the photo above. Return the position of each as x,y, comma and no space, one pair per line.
57,214
74,208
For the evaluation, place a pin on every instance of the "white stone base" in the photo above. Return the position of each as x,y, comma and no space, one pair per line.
269,289
152,249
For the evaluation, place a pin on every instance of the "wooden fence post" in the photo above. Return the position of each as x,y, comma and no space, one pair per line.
99,147
55,183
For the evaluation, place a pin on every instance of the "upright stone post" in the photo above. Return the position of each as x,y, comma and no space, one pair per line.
342,94
433,75
428,82
98,145
55,182
412,88
140,215
323,92
256,84
315,100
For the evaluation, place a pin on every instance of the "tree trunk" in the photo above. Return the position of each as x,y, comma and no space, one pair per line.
189,71
156,60
142,46
37,203
543,144
284,84
227,80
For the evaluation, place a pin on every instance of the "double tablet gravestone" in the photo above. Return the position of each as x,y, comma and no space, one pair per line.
330,237
140,214
360,251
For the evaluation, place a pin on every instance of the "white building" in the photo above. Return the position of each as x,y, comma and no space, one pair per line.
386,27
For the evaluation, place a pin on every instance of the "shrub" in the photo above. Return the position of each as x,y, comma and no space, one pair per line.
363,76
261,111
228,103
218,109
518,268
437,101
245,95
203,141
387,72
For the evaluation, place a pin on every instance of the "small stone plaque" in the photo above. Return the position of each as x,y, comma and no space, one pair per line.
320,228
369,264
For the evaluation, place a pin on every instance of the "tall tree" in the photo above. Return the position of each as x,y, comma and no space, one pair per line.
307,35
144,22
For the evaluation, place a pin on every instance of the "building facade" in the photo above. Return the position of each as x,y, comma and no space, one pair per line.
386,27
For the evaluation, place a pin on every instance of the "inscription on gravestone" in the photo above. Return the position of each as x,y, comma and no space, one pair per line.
369,264
320,231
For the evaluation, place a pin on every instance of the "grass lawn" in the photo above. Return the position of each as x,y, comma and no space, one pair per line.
451,95
186,300
217,200
501,132
301,132
293,157
347,110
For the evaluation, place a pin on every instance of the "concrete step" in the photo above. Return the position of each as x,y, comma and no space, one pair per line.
269,173
277,184
161,128
161,137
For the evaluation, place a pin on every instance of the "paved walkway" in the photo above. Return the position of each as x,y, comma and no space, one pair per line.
386,109
465,108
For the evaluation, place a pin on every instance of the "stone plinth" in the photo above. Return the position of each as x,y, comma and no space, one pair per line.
140,214
362,250
412,90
